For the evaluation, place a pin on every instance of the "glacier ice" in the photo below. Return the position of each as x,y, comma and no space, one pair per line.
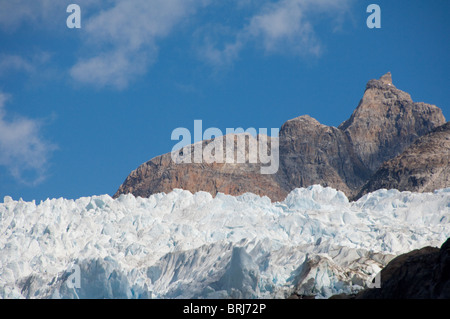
184,245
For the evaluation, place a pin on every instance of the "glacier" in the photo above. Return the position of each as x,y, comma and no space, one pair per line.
183,245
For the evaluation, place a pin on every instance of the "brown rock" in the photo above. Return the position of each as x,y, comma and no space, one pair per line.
387,78
313,153
387,121
384,124
161,174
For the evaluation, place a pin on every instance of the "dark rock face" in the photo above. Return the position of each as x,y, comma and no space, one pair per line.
422,167
420,274
383,125
313,153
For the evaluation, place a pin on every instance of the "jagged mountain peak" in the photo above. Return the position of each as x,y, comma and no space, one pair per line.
383,125
387,78
386,121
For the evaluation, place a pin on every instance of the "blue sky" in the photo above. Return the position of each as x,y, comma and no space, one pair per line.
81,108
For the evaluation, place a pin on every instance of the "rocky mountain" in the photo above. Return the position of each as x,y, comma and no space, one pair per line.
162,174
313,153
422,167
384,124
387,121
420,274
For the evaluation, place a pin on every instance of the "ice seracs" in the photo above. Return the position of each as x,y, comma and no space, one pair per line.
184,245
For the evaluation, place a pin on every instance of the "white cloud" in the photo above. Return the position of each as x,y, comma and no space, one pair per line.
285,27
22,151
127,36
17,63
14,62
219,57
116,68
284,24
121,38
14,13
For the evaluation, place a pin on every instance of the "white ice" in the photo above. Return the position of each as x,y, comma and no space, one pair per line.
183,245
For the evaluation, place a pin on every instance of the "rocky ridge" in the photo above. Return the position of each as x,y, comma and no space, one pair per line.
385,123
162,174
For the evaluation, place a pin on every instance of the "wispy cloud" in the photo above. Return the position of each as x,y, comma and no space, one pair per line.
17,63
126,36
116,68
121,39
281,27
15,13
22,150
14,63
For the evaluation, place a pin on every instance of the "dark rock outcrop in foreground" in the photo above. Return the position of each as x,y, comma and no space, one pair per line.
384,124
419,274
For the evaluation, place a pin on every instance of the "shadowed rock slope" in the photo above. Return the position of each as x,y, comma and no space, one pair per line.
419,274
422,167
